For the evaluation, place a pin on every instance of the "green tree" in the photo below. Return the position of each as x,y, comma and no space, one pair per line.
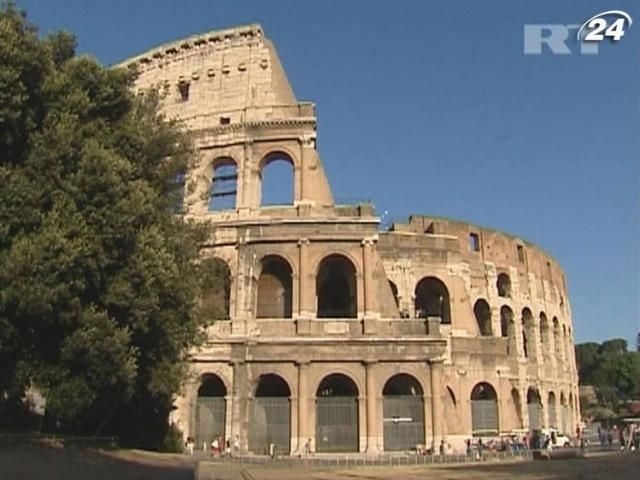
614,371
98,278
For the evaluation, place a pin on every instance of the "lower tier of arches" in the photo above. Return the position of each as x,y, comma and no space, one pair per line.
362,406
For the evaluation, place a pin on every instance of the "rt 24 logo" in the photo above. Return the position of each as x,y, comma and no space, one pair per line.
606,25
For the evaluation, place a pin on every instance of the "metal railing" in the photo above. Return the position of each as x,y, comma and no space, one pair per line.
356,460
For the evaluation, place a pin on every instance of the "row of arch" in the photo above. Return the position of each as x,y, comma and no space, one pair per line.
503,287
336,293
276,176
337,412
336,290
560,333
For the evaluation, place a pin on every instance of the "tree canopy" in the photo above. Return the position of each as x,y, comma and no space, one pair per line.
614,371
98,276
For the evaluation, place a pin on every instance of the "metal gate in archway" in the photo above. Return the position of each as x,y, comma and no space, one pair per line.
403,417
270,424
484,417
337,424
210,419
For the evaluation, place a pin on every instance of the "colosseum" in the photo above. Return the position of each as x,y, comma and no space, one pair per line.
332,334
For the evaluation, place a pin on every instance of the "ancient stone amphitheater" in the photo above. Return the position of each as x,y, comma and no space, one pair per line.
330,332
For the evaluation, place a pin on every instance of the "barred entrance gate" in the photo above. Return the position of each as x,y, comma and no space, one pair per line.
337,415
484,410
271,416
534,407
210,411
403,413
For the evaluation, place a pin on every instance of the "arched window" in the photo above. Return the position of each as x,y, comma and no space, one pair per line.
504,285
484,410
432,299
403,413
223,185
210,410
215,288
482,311
337,414
274,289
277,180
336,288
270,415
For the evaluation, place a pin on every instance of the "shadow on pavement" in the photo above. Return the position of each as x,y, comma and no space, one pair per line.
38,462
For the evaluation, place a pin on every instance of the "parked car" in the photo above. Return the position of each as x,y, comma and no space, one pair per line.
561,440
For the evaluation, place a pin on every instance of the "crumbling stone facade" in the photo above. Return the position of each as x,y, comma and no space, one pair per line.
333,335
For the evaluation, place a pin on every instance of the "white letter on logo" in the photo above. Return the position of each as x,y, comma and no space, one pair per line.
533,39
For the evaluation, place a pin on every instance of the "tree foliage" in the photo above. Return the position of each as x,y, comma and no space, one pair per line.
614,371
98,278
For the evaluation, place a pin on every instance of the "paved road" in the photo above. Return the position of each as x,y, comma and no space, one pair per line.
595,467
31,462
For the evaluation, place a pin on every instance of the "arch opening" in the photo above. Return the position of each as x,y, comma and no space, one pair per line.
403,413
337,415
224,185
215,288
275,289
277,180
508,329
432,300
271,416
482,312
210,409
336,288
528,335
504,285
484,410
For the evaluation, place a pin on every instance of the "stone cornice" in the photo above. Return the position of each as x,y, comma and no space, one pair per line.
257,124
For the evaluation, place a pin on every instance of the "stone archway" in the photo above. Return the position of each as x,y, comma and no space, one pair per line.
403,413
271,416
484,410
210,410
275,288
337,415
336,288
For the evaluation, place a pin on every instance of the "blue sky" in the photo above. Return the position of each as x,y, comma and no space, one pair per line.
438,103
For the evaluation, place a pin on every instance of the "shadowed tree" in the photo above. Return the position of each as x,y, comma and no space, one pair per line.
98,278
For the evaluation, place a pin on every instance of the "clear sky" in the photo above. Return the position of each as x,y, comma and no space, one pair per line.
437,103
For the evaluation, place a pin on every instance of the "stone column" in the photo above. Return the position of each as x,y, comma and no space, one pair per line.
372,408
240,405
305,297
437,413
304,431
367,273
